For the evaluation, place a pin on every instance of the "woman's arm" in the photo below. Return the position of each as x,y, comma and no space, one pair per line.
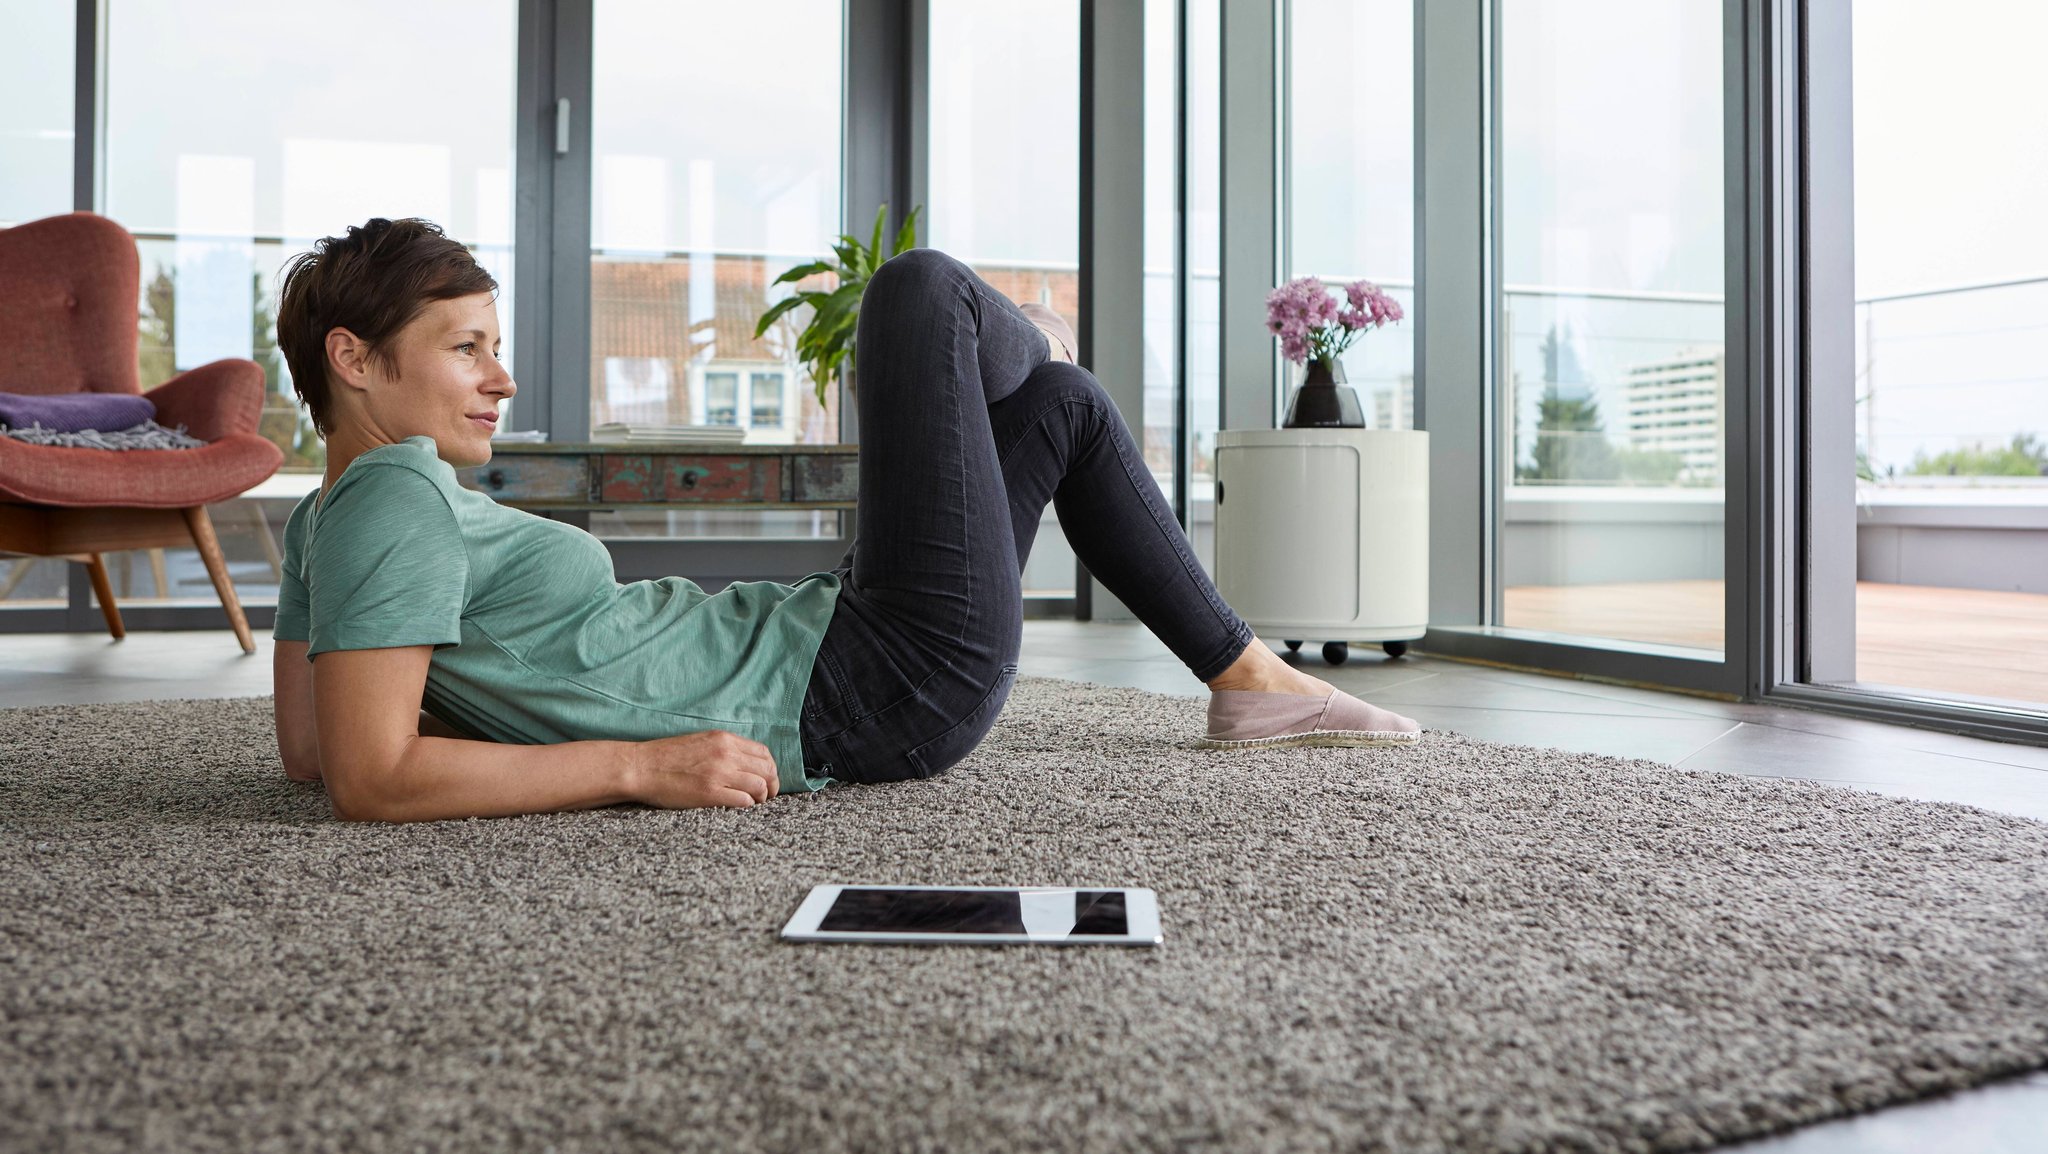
298,742
379,767
298,745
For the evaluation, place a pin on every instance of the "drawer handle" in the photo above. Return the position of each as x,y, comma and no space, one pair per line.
689,478
495,478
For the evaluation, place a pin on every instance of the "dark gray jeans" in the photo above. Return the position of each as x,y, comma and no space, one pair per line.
967,429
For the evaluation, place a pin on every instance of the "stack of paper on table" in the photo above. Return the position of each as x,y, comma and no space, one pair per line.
626,433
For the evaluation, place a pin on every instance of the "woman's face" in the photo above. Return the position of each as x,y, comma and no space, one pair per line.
442,379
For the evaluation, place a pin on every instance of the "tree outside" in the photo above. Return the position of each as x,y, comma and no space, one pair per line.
284,422
2025,457
1571,446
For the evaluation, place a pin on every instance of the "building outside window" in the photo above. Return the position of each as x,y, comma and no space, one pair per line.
693,216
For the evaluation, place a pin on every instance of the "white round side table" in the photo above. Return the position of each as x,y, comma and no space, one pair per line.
1323,534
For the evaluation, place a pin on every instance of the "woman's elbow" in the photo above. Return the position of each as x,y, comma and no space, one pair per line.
301,767
355,799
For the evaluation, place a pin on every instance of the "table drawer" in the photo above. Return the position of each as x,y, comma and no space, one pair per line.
514,477
823,477
630,478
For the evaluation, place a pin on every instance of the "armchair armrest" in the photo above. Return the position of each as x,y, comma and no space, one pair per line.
212,400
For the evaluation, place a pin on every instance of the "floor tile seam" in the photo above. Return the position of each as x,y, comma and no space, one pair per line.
1399,705
1680,763
1416,680
1885,742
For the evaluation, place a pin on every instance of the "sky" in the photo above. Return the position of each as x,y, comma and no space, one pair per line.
241,116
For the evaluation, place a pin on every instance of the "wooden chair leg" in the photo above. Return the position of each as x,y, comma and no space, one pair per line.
14,575
104,590
264,538
201,527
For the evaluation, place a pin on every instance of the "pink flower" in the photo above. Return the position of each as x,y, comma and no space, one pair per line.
1313,323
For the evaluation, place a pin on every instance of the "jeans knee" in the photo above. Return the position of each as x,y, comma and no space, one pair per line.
1058,381
917,271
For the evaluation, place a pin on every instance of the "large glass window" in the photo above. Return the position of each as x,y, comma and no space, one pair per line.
231,143
1005,175
1351,177
1952,349
35,181
1612,374
36,112
711,175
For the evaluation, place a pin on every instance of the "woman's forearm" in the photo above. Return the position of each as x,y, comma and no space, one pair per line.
438,778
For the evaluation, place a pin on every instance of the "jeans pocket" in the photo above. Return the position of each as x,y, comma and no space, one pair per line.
947,749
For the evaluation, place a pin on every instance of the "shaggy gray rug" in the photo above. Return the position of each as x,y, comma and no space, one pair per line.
1458,946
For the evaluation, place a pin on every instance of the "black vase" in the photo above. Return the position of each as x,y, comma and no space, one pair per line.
1324,401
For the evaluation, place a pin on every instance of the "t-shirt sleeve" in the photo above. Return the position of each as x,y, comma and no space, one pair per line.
387,565
291,622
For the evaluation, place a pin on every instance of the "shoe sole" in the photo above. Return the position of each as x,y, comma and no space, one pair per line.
1349,738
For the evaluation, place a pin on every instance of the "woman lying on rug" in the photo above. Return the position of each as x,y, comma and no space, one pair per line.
419,622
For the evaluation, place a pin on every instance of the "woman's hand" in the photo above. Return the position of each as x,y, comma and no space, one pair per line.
702,769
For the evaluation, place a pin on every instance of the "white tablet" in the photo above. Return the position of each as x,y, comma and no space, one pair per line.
988,915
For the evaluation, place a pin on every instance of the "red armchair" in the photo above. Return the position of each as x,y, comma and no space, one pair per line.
68,309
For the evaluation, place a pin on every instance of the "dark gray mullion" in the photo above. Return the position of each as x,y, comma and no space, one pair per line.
884,141
1752,175
88,106
569,224
1112,227
533,146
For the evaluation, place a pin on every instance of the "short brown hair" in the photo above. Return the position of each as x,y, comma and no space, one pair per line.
373,282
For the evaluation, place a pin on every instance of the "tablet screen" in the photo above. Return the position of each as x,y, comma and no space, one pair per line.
1074,913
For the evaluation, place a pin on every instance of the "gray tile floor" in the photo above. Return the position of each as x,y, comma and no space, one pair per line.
1496,705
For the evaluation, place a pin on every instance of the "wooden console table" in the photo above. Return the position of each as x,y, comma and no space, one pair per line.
594,475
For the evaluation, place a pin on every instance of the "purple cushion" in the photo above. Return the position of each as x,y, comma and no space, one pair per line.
76,412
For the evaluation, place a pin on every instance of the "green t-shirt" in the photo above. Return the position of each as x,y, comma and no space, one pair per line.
535,641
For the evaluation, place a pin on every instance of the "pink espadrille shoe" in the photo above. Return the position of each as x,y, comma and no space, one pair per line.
1059,334
1244,719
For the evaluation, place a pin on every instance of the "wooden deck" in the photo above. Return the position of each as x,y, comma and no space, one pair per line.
1968,641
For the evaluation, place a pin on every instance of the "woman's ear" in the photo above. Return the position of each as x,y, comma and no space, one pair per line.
348,357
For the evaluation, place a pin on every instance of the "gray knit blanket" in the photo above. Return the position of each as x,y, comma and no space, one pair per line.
147,435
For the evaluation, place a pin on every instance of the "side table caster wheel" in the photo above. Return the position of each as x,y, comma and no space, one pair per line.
1336,652
1395,648
1293,646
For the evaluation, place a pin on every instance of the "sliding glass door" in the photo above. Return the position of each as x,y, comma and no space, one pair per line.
1947,387
1611,374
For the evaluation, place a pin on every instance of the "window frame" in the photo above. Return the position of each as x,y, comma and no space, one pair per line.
882,141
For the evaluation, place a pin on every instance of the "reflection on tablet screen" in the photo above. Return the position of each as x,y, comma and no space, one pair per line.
1039,913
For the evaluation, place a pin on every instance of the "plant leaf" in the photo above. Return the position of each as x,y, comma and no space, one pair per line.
782,306
906,237
802,271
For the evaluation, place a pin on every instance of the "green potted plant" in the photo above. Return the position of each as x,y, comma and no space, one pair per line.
825,344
